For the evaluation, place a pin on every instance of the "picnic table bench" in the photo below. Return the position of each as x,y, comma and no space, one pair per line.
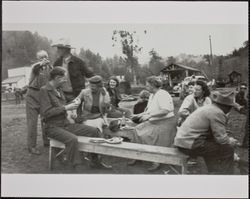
164,155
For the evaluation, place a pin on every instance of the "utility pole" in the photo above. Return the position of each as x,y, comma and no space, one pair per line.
211,55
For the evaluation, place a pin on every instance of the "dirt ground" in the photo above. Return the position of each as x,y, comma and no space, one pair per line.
16,159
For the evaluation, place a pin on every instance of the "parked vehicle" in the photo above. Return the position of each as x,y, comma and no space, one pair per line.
181,87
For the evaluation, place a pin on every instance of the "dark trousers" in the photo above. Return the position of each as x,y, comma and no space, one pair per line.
246,135
32,113
67,134
219,158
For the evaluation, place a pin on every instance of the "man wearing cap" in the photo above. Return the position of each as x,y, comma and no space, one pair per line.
53,110
95,103
38,78
204,134
76,69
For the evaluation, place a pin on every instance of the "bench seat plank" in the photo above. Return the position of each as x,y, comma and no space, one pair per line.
136,151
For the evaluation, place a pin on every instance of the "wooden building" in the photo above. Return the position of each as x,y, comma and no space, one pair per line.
175,73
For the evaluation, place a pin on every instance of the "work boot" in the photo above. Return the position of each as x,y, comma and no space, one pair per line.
96,162
154,166
132,162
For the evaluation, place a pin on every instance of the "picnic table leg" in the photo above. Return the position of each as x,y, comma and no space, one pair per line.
51,157
184,168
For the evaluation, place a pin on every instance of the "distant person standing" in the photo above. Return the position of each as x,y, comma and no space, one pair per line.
242,100
17,95
38,78
76,70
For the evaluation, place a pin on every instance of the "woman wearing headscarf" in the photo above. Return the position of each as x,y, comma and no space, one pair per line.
115,97
158,125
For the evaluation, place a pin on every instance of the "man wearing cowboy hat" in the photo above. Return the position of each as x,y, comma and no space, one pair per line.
204,134
76,69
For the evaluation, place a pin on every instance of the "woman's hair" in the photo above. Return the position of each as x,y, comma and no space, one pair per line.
57,71
204,87
190,84
115,79
154,81
144,94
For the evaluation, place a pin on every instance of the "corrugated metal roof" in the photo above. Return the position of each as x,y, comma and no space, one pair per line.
12,79
181,66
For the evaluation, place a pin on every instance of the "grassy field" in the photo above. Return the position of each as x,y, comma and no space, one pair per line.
16,159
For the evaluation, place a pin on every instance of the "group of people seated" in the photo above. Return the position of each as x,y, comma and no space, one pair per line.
200,132
69,109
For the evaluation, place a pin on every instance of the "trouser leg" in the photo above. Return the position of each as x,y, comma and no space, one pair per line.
44,134
246,135
68,136
32,118
88,131
218,158
70,141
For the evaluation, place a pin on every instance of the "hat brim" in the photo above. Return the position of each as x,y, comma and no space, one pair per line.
62,46
225,104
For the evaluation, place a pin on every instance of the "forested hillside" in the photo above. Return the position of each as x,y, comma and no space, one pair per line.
19,49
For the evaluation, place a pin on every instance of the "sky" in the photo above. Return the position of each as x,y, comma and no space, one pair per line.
172,27
166,39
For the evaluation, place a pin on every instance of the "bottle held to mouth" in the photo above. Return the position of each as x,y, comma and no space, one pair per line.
123,122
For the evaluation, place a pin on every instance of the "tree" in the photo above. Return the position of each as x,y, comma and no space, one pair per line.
171,60
19,49
155,63
130,48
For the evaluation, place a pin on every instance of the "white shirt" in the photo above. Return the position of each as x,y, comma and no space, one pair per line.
161,100
67,87
190,104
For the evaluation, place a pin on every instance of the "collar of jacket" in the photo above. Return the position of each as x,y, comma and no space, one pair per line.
52,89
71,59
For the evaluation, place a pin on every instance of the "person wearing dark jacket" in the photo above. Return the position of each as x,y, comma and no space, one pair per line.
115,98
53,111
76,68
242,100
141,105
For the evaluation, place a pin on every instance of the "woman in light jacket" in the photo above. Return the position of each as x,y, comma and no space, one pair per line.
96,102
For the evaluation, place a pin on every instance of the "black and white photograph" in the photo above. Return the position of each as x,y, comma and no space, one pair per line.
160,91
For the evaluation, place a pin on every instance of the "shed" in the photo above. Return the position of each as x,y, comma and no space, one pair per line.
175,73
14,82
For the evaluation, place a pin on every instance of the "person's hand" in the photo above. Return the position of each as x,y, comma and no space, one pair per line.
71,106
233,142
144,117
135,116
73,115
77,101
44,62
